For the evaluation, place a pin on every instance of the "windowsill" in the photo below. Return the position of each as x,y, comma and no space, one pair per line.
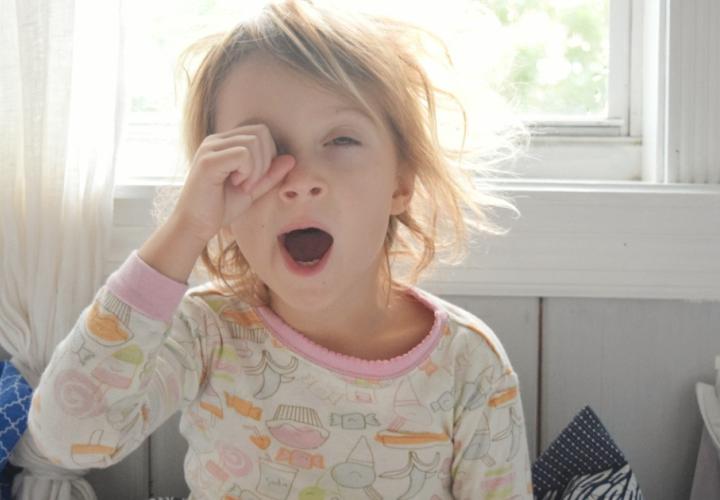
573,239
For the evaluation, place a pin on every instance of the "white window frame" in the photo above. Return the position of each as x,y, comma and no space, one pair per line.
613,145
641,238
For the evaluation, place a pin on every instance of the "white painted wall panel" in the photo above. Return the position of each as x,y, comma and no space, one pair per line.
635,362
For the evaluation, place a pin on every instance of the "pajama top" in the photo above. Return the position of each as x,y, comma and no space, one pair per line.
270,414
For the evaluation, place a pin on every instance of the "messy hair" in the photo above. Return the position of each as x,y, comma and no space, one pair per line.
356,56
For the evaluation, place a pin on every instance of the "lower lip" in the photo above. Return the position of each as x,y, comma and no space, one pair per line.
304,270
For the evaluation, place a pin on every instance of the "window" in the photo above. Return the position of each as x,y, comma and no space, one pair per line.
565,66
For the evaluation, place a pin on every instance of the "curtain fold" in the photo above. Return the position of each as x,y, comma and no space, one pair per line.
61,106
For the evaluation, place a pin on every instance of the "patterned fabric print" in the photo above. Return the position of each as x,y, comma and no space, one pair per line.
583,457
263,421
612,484
15,396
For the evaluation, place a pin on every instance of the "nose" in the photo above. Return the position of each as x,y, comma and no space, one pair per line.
302,183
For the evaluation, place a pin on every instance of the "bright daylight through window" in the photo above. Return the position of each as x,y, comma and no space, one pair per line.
549,59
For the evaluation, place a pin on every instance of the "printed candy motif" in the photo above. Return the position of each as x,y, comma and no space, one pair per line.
234,460
299,458
78,395
353,421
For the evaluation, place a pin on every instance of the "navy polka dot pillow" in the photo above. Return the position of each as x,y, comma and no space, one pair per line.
584,462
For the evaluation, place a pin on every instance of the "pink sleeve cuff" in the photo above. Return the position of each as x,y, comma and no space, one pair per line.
145,289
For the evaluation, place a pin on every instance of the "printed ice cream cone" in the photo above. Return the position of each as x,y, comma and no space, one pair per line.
408,406
358,472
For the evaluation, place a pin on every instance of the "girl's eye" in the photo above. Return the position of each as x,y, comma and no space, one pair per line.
344,141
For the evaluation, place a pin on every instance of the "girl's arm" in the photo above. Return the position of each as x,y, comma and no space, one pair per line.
491,454
136,355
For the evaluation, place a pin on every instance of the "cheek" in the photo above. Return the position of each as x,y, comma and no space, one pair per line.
245,232
371,215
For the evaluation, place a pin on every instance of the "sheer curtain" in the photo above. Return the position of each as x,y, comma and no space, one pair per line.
60,114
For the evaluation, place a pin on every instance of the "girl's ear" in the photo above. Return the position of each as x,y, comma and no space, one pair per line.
404,188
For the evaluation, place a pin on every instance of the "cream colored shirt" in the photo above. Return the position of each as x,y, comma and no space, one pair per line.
269,414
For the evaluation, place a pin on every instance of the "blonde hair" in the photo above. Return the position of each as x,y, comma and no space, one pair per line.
351,54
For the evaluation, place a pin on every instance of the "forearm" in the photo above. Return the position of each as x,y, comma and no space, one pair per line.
172,250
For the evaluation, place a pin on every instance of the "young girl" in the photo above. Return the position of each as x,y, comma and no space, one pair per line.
303,368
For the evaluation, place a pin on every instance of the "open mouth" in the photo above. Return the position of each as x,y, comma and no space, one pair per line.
307,246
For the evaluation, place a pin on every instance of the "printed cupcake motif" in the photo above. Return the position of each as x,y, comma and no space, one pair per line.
108,329
297,426
243,338
242,317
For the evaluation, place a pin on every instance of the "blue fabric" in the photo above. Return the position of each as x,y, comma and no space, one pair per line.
583,448
15,397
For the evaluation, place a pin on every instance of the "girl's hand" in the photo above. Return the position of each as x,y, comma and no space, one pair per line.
230,170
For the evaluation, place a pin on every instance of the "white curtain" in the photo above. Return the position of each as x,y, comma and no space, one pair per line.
60,114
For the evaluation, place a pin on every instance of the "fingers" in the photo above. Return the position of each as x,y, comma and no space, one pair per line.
278,169
256,139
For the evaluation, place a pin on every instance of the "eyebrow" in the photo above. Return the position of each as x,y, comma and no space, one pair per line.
337,109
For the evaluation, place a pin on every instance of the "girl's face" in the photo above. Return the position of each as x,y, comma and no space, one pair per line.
344,180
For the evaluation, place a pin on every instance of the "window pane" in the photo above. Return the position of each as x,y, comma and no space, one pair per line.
552,55
549,58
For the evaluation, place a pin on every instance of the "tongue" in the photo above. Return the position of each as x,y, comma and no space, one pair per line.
306,245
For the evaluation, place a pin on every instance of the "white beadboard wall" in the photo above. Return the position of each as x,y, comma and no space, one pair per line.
693,149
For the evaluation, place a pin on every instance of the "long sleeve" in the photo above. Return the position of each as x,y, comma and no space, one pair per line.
491,454
134,358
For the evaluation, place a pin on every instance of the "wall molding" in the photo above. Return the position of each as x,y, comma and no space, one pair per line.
572,239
